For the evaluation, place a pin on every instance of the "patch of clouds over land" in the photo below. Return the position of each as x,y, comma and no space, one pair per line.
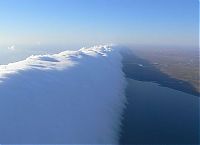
70,97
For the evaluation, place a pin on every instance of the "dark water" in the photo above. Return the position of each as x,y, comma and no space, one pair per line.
140,69
160,110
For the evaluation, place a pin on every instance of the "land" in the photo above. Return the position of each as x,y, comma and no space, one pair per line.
161,109
178,63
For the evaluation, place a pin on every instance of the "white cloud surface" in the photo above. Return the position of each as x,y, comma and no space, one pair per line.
71,97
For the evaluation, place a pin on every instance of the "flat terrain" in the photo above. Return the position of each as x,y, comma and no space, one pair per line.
178,63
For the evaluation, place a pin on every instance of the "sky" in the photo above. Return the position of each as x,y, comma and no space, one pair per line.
89,22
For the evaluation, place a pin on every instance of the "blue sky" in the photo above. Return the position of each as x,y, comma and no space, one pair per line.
88,22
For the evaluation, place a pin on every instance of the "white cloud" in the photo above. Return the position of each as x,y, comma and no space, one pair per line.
67,98
12,48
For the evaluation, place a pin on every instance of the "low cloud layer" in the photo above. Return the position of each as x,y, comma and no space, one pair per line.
71,97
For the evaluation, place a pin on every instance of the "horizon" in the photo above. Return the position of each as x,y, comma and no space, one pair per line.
61,23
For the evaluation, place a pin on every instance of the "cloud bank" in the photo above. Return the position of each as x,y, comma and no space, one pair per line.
70,97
